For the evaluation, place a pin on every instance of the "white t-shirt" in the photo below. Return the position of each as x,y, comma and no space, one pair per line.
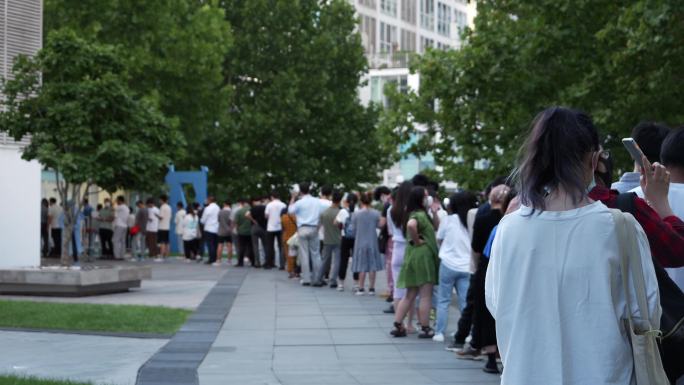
341,218
210,218
55,212
554,288
273,210
178,221
455,249
676,199
393,230
152,219
189,227
121,215
165,220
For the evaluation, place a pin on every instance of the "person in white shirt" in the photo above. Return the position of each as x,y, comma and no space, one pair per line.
151,230
307,210
454,253
178,221
672,156
164,226
190,227
343,221
54,212
553,280
121,212
211,227
274,229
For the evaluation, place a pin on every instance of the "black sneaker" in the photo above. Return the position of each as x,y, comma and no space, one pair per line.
317,284
333,286
371,291
491,367
389,310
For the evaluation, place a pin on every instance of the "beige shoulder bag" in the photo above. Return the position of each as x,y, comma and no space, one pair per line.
648,368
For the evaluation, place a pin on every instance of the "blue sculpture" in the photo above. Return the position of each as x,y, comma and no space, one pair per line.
175,180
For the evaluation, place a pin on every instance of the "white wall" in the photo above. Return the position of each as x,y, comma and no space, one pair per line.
20,205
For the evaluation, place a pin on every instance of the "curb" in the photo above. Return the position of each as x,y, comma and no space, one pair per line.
176,363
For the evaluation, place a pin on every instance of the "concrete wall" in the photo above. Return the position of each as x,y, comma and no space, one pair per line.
21,32
20,202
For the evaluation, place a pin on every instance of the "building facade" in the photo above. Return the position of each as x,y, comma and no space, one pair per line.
21,32
392,31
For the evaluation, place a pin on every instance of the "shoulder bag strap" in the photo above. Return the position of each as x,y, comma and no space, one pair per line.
630,262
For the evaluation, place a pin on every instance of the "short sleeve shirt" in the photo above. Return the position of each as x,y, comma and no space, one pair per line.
165,213
273,211
331,232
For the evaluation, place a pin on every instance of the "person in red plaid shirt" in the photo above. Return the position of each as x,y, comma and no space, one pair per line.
664,230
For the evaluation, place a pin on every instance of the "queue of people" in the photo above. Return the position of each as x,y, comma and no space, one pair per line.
534,262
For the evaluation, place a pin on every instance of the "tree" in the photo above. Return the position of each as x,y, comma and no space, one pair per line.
85,122
618,61
295,69
174,51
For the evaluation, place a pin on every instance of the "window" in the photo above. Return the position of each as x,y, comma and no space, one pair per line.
388,38
426,43
408,11
442,46
389,7
368,3
427,14
378,87
368,33
408,41
443,19
461,20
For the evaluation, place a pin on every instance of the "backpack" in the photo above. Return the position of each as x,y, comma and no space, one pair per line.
672,304
348,233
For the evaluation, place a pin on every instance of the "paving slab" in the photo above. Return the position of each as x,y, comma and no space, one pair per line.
281,333
102,360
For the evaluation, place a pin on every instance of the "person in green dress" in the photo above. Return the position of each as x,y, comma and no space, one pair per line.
420,271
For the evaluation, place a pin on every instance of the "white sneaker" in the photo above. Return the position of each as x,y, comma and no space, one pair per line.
216,264
439,337
159,259
360,292
340,288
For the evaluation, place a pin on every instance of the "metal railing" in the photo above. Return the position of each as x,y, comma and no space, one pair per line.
389,60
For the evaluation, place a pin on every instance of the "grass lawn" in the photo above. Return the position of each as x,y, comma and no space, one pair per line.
90,317
15,380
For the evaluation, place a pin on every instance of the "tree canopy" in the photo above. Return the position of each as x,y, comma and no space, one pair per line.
619,61
85,122
295,70
265,92
173,50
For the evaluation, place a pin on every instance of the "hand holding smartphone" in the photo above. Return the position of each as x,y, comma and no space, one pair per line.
634,150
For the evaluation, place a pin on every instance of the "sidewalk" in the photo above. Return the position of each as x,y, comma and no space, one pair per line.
278,332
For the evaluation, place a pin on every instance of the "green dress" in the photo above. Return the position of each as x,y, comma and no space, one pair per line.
421,263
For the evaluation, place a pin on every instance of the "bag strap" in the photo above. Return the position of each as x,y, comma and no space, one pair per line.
630,262
625,202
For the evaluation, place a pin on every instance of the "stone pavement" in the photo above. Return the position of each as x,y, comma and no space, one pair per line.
278,332
102,360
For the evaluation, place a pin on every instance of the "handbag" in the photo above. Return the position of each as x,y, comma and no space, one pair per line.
672,303
643,338
135,230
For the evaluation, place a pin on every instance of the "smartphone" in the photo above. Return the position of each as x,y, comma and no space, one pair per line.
634,150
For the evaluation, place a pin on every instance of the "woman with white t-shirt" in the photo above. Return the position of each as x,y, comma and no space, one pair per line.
454,254
553,282
190,227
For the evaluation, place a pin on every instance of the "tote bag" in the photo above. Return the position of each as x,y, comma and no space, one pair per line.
648,367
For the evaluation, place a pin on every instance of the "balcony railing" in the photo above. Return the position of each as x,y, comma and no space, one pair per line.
389,60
